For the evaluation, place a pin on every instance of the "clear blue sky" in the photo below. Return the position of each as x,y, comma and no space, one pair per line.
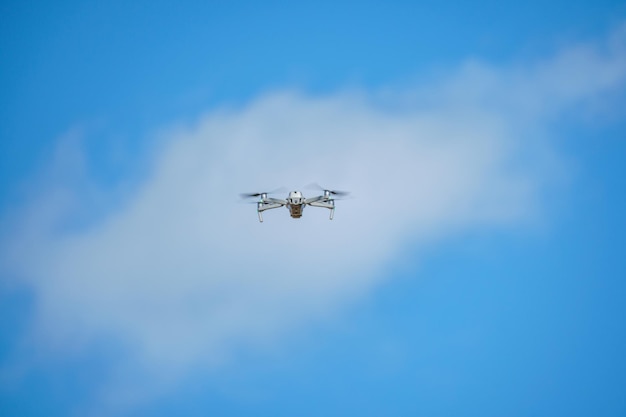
522,320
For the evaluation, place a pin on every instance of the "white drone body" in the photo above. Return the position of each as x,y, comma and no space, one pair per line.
296,202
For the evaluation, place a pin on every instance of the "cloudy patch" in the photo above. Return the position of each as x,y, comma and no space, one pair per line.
182,275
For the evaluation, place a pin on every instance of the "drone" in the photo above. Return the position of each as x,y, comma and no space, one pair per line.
296,202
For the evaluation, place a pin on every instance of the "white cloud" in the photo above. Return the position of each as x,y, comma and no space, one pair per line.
182,275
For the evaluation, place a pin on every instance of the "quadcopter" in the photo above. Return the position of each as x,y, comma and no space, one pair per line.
296,202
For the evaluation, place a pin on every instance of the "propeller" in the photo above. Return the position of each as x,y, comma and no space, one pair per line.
316,186
250,195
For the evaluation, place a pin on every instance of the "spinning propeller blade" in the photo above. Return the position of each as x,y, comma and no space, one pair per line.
249,195
316,186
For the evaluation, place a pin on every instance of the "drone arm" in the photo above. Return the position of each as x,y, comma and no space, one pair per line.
324,203
317,199
278,201
267,205
329,204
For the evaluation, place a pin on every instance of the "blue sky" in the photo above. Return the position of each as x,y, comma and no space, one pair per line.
479,270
